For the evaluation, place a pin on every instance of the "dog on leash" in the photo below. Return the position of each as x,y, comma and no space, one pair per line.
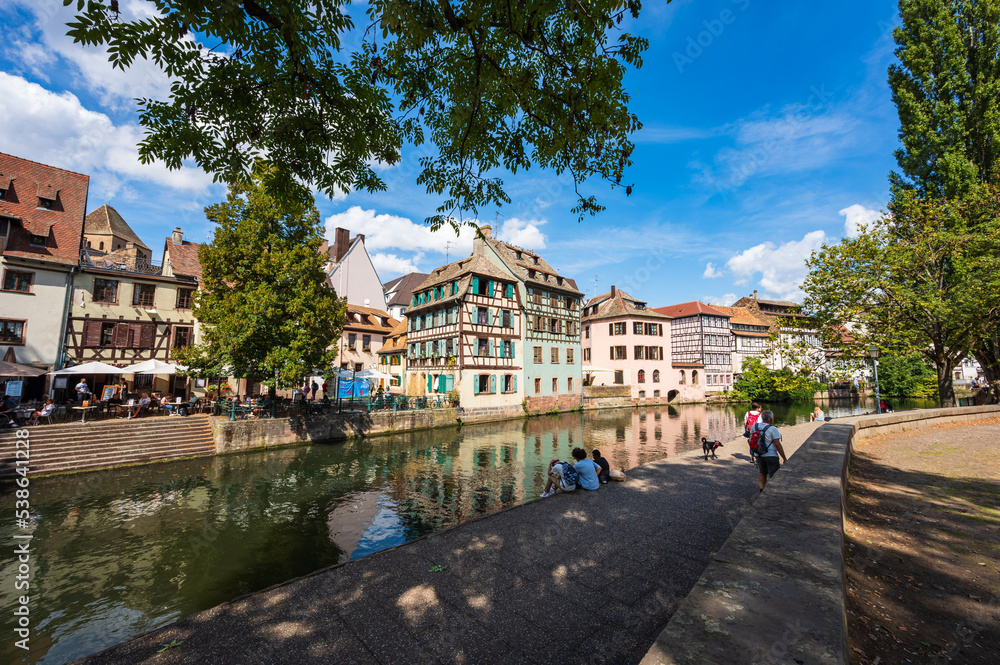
708,447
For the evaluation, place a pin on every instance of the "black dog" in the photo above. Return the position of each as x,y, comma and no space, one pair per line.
708,447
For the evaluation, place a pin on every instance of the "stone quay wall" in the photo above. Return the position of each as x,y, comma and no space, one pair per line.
775,590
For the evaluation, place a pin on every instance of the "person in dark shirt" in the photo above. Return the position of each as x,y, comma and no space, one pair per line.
603,463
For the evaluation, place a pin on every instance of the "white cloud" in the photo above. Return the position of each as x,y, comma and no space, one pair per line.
781,269
392,265
725,300
711,272
523,233
392,232
855,216
115,88
56,129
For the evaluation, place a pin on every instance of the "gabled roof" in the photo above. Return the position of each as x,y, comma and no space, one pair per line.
184,260
741,316
692,308
531,268
369,319
106,221
396,340
461,271
402,288
618,305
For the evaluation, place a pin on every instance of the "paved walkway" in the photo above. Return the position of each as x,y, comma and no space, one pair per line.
590,577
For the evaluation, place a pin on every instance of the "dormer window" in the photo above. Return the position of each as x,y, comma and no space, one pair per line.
45,204
536,260
3,194
559,281
518,253
531,274
38,240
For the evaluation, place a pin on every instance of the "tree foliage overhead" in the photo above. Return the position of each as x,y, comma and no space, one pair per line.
266,310
491,84
923,280
946,88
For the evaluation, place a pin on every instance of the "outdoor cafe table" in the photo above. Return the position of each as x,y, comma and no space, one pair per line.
85,409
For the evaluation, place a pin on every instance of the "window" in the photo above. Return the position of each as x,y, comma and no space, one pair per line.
3,194
508,350
640,353
642,393
618,353
554,326
538,355
656,376
105,290
570,358
586,332
637,328
509,384
483,316
352,340
586,355
394,359
483,346
554,355
641,377
358,367
508,319
694,377
538,386
656,393
142,295
185,298
18,281
11,332
619,377
44,204
683,378
619,328
182,336
366,342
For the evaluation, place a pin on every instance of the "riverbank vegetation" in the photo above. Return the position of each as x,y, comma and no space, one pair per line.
757,382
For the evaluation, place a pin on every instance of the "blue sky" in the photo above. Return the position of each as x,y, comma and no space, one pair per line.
768,130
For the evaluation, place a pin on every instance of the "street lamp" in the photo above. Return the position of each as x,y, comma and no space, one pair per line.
873,352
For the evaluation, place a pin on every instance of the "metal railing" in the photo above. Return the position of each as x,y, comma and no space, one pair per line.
114,261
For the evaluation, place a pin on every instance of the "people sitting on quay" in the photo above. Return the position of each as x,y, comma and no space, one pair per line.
45,412
817,415
562,476
587,470
605,472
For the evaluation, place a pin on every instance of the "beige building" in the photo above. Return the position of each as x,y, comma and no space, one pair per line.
104,230
392,358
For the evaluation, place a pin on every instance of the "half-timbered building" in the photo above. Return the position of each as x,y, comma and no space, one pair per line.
392,357
464,335
126,310
701,345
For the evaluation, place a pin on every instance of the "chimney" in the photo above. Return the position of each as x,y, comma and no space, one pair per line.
478,244
613,291
177,236
755,295
341,241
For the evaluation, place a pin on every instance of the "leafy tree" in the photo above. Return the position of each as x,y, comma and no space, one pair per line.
757,382
267,312
906,376
947,92
492,84
923,280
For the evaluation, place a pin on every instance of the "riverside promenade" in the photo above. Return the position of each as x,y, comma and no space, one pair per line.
588,577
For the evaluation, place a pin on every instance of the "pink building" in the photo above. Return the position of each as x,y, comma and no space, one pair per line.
621,334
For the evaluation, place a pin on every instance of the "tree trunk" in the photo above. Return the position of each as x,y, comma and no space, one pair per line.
988,355
946,389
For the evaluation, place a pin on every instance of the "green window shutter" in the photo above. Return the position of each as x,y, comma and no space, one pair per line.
442,384
475,285
430,382
513,353
449,382
510,290
514,382
489,316
493,384
475,346
489,288
475,385
489,348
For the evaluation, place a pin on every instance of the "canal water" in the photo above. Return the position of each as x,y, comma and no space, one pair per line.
117,553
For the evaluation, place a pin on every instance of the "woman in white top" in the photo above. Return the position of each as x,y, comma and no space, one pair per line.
817,415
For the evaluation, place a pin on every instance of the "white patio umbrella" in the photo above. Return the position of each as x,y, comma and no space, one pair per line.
588,369
373,374
91,368
154,367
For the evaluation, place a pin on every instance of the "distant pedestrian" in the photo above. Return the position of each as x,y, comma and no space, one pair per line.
324,388
769,446
749,420
605,473
82,390
315,388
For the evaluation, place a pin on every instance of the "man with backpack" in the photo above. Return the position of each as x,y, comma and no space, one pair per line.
765,442
749,420
563,476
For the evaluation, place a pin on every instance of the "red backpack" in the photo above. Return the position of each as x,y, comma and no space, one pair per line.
757,442
748,425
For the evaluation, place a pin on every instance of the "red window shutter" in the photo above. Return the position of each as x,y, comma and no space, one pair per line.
121,335
91,333
146,339
135,335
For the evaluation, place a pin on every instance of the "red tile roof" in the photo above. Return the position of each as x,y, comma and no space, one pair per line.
62,226
183,258
689,309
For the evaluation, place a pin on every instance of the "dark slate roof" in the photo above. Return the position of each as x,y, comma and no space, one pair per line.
403,288
532,261
106,221
618,305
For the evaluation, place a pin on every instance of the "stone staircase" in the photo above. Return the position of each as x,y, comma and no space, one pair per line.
95,445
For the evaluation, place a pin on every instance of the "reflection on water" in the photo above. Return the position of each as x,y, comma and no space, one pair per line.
121,552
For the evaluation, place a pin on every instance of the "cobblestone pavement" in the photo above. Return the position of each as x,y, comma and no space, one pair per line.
587,577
